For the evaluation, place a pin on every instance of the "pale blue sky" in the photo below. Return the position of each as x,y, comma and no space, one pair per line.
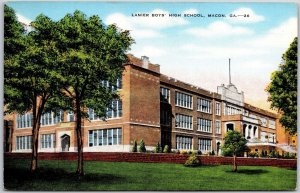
196,50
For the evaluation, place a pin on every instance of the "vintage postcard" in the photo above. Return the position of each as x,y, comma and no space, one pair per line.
150,96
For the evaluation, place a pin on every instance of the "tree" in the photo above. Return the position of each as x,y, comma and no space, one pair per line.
134,146
234,144
142,147
30,79
283,88
91,58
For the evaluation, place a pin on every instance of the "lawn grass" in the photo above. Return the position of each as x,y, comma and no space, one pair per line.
59,175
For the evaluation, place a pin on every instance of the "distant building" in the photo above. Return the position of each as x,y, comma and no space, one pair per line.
157,109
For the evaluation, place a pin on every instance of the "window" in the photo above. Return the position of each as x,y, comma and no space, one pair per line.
204,105
204,125
105,137
47,141
204,145
165,117
111,87
183,100
272,124
183,142
184,121
218,127
114,111
232,110
24,121
24,142
51,118
263,121
218,108
70,116
165,93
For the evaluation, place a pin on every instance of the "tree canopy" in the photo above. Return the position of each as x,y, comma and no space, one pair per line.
283,88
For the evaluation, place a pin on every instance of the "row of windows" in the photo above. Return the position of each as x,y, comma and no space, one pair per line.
203,105
204,125
105,83
114,111
184,121
183,142
24,142
232,110
48,141
50,118
183,100
105,137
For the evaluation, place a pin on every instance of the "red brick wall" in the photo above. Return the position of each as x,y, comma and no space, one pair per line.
159,158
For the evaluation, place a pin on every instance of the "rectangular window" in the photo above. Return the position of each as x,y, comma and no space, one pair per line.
47,141
24,142
218,108
184,121
165,93
24,121
204,125
218,127
51,118
183,100
204,105
183,142
114,111
165,117
105,137
271,124
204,145
70,116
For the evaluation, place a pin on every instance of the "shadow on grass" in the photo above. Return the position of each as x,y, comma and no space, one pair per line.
249,171
17,177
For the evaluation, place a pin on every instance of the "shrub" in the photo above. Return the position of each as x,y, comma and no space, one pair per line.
192,161
142,147
253,154
190,152
212,152
157,148
166,149
184,152
134,146
273,154
199,152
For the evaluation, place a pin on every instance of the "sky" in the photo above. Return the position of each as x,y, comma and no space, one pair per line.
196,50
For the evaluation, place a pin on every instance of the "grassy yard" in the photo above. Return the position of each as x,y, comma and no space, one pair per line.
59,175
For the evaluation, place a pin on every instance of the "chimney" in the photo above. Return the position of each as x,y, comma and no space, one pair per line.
145,61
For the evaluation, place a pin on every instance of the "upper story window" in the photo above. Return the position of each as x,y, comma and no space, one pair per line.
271,124
218,108
183,100
70,116
107,84
263,121
233,110
165,93
114,111
165,117
51,118
204,125
24,121
204,105
184,121
218,127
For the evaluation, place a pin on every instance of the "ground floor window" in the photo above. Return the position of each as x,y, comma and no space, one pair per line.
48,141
204,145
183,142
105,137
24,142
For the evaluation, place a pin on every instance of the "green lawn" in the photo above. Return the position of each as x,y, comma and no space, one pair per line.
59,175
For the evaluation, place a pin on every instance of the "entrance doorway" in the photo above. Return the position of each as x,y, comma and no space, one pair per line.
65,142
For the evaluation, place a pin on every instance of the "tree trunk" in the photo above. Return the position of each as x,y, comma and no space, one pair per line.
234,169
79,171
34,157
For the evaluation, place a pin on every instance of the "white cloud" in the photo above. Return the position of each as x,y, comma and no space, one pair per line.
219,29
23,19
150,51
190,11
241,12
147,27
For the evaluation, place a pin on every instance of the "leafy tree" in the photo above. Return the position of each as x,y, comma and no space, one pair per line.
234,144
89,52
30,78
283,88
142,147
134,146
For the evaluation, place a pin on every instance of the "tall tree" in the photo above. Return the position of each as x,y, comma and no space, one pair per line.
90,52
283,88
234,144
30,76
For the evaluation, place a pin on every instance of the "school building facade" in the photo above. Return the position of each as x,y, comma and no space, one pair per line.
157,109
